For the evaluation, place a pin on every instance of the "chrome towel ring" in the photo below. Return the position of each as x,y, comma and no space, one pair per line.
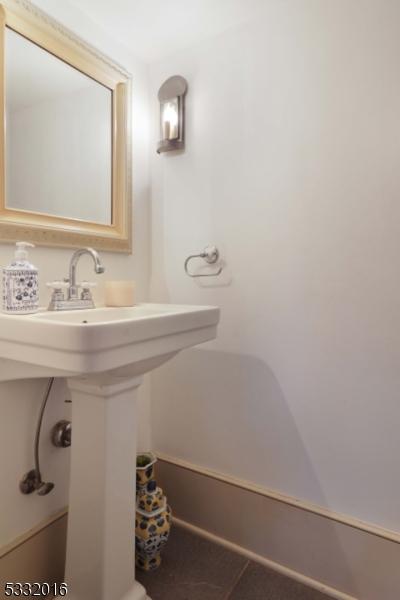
210,254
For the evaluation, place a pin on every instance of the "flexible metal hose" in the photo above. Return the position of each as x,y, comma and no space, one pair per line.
42,487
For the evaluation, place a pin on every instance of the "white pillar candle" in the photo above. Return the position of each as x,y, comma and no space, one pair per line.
119,293
167,130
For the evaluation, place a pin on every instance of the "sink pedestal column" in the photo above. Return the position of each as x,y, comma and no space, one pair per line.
101,521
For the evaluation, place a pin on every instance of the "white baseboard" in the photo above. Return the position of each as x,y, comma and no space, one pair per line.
343,557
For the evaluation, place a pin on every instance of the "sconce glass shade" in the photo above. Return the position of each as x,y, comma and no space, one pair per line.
171,96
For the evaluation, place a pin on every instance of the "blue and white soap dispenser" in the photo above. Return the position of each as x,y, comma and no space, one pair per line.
21,283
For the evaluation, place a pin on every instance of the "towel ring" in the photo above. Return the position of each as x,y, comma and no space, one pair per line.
210,254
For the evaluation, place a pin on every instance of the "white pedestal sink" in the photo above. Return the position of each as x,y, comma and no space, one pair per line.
103,352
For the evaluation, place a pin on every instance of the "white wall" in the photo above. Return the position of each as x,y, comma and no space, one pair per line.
19,402
292,169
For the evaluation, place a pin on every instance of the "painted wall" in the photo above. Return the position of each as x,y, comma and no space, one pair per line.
291,169
20,401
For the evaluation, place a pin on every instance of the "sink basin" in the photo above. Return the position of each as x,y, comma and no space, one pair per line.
103,353
79,342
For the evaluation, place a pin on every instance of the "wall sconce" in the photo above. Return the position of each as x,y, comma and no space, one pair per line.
172,114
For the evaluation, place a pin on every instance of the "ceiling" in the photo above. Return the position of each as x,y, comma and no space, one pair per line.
152,29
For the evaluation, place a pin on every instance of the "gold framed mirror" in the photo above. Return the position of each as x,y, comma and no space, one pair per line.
65,151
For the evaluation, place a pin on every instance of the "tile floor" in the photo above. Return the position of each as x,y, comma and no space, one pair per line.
195,569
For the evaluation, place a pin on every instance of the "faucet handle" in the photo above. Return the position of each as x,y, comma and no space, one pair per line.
58,292
86,287
57,286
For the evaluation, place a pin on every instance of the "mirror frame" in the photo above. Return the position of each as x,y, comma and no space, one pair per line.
42,229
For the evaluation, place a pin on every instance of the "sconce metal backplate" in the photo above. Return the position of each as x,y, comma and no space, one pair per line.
174,87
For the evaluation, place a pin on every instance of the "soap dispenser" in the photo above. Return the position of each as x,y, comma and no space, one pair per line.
20,283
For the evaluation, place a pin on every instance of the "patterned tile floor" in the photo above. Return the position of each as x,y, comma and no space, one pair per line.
195,569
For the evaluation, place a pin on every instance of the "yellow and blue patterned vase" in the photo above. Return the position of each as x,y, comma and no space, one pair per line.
145,473
153,519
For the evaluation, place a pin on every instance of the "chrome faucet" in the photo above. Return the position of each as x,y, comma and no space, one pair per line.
74,300
98,267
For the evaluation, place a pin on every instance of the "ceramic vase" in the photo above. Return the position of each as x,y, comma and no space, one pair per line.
153,517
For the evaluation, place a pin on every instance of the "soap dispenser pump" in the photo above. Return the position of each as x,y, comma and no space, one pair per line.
20,283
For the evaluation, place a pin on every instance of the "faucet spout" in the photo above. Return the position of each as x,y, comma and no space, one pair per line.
98,267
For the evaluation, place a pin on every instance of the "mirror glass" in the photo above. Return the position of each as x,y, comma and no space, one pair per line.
58,136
